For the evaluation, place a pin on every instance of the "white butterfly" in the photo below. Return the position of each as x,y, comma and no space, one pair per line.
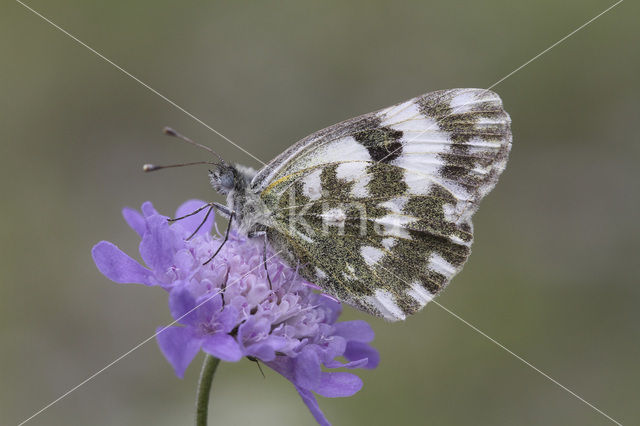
377,209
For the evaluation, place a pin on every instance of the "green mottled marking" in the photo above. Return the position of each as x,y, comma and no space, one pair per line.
430,213
334,190
386,181
382,143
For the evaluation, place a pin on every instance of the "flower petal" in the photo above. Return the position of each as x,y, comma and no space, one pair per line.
159,244
353,364
357,351
333,347
266,349
312,405
222,346
332,308
182,306
148,209
192,222
187,310
118,266
358,330
283,365
135,220
307,369
339,384
228,318
256,328
179,346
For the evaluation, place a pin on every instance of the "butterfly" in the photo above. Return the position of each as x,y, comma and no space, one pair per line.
376,210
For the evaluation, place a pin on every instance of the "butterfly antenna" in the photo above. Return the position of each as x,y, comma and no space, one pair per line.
169,131
154,167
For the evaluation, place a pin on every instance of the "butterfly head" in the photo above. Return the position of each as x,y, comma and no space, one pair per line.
224,178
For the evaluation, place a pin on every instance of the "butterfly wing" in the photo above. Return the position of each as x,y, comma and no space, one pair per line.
377,209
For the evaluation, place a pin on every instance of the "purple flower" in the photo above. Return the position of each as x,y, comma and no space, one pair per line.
227,308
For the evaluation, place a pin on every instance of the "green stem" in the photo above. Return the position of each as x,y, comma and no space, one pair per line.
204,388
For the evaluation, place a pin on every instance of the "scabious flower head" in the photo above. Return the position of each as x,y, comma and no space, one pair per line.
228,308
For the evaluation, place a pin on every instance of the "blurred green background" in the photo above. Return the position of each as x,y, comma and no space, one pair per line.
553,276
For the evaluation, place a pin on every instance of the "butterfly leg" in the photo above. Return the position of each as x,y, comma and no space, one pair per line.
254,234
222,209
264,261
201,223
226,237
175,219
257,361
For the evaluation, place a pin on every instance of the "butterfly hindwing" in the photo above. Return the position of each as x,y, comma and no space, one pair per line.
376,210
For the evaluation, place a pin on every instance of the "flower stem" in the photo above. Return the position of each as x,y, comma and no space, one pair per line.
204,388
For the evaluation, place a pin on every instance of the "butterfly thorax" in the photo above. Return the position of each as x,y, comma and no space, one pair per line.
251,216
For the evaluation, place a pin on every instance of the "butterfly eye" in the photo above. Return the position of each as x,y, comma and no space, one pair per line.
226,180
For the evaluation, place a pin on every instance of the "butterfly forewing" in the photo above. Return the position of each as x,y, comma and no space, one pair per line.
377,209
